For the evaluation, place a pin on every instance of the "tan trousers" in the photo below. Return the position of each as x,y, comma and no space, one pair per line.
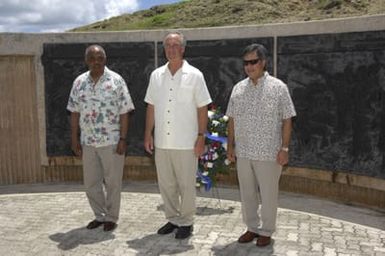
103,172
176,171
258,182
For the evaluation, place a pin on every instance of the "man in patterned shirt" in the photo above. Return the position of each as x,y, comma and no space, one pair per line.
260,111
99,104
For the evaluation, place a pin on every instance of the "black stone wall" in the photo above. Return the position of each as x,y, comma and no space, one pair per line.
337,82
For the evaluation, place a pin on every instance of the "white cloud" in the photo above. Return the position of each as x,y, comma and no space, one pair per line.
58,15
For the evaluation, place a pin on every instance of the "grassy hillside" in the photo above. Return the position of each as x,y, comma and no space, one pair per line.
210,13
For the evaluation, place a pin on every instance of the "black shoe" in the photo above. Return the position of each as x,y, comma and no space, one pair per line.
109,226
184,232
94,224
167,228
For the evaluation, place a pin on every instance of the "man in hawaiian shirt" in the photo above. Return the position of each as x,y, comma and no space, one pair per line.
177,98
260,111
99,104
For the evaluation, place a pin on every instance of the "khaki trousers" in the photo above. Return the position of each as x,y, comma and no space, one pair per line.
103,172
176,171
259,182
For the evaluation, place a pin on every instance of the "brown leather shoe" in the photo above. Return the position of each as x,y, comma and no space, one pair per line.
247,237
263,241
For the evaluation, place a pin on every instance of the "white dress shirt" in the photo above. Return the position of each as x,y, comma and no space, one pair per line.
176,99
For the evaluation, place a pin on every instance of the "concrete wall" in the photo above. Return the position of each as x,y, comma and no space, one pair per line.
305,180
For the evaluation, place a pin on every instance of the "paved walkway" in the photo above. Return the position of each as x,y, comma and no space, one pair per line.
50,220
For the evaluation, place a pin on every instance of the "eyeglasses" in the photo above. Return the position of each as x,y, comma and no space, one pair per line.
252,62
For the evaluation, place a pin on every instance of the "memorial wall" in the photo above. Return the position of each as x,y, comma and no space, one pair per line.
337,82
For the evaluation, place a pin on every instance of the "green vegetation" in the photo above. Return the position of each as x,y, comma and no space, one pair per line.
211,13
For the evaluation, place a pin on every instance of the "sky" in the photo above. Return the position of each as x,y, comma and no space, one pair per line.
44,16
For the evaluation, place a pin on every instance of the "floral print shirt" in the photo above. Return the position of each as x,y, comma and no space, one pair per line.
258,112
100,106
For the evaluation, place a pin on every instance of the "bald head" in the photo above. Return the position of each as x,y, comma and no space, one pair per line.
95,48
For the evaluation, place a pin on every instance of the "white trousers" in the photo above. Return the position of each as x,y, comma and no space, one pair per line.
103,173
176,171
259,184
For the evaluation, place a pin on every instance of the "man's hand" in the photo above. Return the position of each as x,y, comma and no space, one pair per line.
122,147
230,154
76,148
149,144
199,147
282,157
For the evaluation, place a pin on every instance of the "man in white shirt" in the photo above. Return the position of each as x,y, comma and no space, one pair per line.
177,98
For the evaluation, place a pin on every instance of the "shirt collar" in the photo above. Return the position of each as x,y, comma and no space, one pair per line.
185,67
106,75
261,80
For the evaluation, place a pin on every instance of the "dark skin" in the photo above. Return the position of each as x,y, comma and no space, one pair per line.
96,60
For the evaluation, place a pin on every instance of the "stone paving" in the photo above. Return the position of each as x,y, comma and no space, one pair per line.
51,221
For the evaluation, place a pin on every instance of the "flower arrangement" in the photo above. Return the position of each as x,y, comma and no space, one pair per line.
214,159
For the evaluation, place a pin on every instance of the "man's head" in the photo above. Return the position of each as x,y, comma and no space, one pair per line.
254,60
174,45
95,58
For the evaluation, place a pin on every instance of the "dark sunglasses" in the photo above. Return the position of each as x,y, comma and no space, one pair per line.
252,62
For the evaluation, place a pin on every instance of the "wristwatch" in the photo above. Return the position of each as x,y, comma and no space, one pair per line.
286,149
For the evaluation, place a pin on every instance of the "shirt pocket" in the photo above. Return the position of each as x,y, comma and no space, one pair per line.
185,94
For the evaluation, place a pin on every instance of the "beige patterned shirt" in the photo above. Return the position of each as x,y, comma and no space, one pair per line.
258,111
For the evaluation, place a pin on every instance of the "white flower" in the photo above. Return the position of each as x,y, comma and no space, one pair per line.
227,161
197,184
215,122
225,118
215,156
210,114
205,173
224,145
210,165
215,134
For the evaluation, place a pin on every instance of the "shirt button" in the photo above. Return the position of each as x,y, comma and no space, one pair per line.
169,100
168,122
168,111
170,89
168,133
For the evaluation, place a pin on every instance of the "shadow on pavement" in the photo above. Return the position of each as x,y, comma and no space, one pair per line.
205,210
236,248
78,236
155,244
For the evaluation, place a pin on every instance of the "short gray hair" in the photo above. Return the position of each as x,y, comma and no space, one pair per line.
181,36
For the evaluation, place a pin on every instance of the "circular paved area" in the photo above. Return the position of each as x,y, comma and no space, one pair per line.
53,223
